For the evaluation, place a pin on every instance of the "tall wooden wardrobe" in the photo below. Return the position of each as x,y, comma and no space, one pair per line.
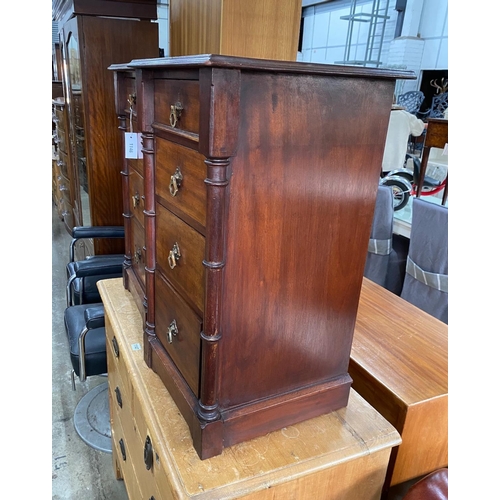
94,35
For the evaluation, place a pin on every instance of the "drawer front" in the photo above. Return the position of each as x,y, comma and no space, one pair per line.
59,112
138,249
172,92
62,163
136,195
179,179
143,452
61,138
117,372
122,423
123,459
126,422
185,272
64,189
184,343
137,165
123,443
78,110
121,405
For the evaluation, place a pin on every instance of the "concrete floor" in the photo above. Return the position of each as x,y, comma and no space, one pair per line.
78,471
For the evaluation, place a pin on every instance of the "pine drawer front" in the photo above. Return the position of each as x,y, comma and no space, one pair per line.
122,423
177,104
145,458
116,368
121,401
179,181
179,256
178,328
123,459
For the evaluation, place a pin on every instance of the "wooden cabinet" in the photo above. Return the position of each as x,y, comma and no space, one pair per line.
260,180
128,107
341,455
91,42
261,29
63,182
399,364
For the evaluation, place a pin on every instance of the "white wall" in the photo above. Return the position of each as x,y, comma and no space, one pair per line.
423,43
325,33
434,30
163,26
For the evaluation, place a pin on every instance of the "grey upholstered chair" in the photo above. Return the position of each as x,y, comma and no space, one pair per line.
384,265
426,279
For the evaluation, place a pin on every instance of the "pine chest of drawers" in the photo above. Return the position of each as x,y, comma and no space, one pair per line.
260,180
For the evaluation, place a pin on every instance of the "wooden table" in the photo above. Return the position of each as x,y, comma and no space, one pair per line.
399,364
339,455
436,136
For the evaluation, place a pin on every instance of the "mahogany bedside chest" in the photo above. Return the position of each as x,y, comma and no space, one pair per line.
259,185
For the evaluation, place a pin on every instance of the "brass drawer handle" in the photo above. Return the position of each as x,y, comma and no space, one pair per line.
172,331
174,255
115,347
137,256
118,397
175,182
175,113
136,199
148,453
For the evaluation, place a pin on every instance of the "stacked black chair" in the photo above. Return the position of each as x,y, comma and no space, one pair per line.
83,275
84,324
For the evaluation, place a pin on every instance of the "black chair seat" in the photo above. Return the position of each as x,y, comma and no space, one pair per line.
95,341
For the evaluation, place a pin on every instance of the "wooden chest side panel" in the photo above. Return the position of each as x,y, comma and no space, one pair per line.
302,194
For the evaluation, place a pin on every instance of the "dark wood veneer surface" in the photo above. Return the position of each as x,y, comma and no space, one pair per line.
102,41
291,161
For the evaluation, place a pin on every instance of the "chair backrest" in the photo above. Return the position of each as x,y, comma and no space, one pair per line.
411,101
380,245
426,280
439,105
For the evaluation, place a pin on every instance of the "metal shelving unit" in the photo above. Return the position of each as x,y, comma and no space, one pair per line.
376,20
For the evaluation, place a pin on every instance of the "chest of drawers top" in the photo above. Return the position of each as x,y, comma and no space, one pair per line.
260,180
